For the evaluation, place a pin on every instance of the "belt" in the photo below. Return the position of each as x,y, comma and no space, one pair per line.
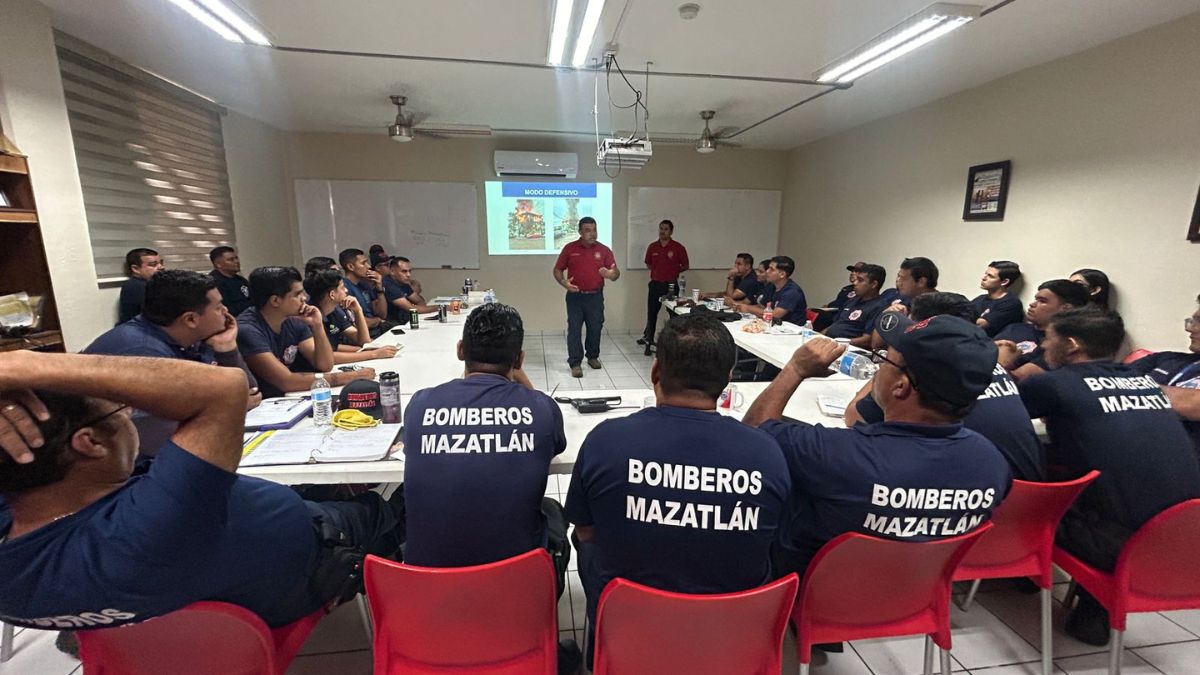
587,292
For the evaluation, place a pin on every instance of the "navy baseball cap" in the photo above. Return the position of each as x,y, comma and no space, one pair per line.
363,396
856,267
947,357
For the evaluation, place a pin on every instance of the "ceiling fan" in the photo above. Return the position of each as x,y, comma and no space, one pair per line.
707,141
404,128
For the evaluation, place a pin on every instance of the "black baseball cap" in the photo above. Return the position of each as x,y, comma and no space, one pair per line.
363,396
856,267
947,357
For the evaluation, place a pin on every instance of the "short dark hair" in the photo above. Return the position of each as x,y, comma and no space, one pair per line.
874,273
1007,270
764,263
784,264
218,252
319,263
669,224
1096,279
921,268
746,258
398,259
134,258
321,282
1075,295
492,338
375,248
695,353
1098,331
941,303
585,220
266,282
348,256
171,293
52,459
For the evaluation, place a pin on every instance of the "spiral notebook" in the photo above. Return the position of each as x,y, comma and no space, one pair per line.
277,413
308,445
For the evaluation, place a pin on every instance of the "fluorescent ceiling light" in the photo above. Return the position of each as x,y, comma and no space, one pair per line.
558,32
239,23
223,20
587,31
920,29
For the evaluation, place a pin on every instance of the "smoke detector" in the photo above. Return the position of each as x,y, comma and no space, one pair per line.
688,11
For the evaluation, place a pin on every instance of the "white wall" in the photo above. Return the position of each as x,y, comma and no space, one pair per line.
526,282
34,116
33,113
1105,146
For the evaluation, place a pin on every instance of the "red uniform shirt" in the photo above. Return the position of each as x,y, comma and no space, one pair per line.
583,264
666,262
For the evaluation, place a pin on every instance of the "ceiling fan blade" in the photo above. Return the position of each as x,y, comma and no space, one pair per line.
430,134
448,129
723,131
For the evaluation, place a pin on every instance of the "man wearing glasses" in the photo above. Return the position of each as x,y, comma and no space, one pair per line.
916,476
85,544
1179,375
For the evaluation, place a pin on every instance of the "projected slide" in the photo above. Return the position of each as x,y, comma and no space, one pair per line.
540,218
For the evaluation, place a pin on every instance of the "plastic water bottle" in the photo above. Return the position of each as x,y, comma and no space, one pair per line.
769,313
682,285
806,332
857,366
322,400
489,297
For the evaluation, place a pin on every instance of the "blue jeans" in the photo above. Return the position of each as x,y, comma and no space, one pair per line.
584,308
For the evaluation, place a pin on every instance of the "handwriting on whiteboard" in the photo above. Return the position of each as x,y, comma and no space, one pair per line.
439,239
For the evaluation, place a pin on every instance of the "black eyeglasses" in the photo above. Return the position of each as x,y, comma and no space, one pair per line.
96,420
878,357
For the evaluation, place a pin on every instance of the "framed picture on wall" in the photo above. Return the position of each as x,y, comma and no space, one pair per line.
987,191
1194,230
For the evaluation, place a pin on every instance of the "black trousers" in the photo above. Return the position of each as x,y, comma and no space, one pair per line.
1092,538
655,290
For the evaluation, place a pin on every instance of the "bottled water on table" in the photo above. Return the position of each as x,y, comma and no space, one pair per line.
322,400
857,366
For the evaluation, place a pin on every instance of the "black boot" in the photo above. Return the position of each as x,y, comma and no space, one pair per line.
1088,622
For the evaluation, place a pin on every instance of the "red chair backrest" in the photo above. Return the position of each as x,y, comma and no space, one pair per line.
859,586
1137,354
497,618
811,314
1159,563
1021,541
203,638
644,630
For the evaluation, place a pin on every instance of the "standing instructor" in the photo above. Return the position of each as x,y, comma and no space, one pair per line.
666,260
582,267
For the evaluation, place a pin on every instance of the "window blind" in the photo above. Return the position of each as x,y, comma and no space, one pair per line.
152,164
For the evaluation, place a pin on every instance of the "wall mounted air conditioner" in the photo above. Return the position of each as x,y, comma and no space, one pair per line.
539,164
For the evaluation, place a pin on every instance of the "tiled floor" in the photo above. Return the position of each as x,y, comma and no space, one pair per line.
998,636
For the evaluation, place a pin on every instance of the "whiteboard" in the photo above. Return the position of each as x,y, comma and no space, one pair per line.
432,224
714,225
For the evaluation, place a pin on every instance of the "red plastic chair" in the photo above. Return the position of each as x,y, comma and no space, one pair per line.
203,638
1021,544
1137,354
498,618
811,314
1155,572
860,587
642,630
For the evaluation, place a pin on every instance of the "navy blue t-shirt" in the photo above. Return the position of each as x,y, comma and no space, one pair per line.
133,296
1000,313
857,317
183,532
998,416
256,337
336,323
141,337
235,291
681,500
1029,342
364,292
1110,417
477,453
394,290
749,285
1174,369
909,482
844,296
790,297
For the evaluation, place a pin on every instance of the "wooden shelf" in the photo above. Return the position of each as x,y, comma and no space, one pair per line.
18,216
41,340
13,164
